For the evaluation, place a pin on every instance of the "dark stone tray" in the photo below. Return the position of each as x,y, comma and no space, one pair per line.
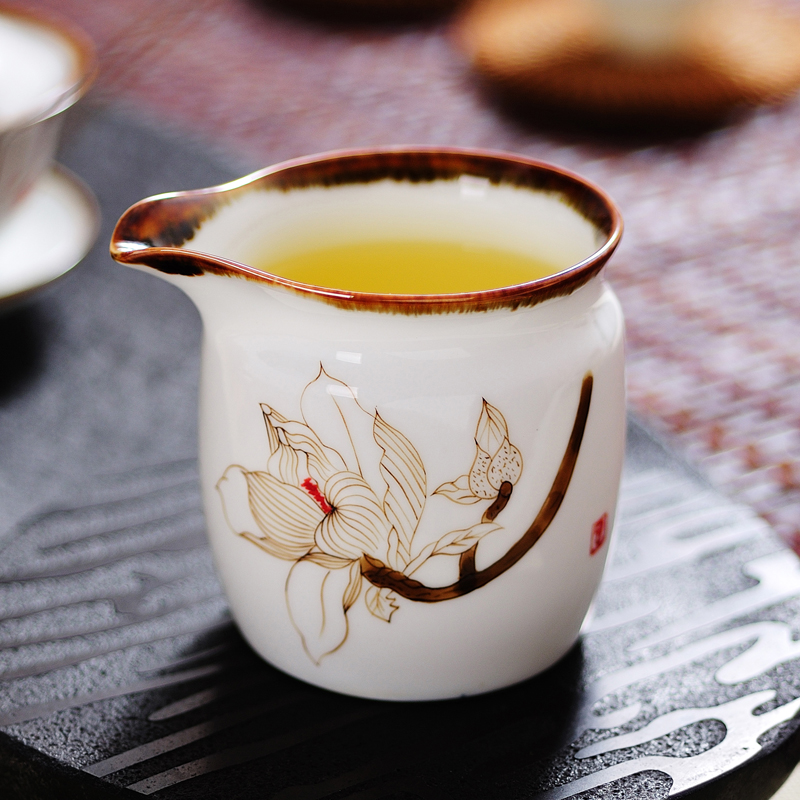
121,673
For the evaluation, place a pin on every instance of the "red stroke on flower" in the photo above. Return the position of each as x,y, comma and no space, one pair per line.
312,487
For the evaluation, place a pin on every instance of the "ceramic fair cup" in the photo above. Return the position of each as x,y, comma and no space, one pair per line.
408,497
45,67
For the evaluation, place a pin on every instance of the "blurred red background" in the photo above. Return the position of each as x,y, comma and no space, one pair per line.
708,271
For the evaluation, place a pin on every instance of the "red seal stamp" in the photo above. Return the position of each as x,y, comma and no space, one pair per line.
599,533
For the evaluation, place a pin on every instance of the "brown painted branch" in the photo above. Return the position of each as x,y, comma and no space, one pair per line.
383,577
500,502
466,562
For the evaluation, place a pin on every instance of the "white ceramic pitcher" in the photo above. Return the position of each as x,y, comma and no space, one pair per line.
408,496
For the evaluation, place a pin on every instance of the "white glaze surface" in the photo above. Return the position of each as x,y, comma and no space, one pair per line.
47,233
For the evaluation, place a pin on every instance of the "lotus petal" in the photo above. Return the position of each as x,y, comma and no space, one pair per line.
491,430
357,524
479,478
287,517
233,492
327,561
315,597
331,408
298,452
404,474
506,465
285,462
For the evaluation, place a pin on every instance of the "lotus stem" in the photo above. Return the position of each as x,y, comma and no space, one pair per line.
466,563
378,574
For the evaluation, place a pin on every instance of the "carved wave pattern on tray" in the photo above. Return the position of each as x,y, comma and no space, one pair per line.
688,668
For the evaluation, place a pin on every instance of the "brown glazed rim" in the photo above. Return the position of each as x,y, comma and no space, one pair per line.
81,43
152,231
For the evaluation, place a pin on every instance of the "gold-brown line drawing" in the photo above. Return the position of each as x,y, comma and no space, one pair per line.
469,579
342,496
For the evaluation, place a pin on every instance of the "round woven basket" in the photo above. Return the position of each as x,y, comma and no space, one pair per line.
372,9
722,54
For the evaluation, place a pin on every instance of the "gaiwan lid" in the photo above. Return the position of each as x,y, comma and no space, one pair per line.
45,66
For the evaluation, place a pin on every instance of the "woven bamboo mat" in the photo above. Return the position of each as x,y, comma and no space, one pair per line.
707,272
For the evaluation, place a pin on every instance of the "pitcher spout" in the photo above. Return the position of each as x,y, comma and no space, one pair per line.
154,233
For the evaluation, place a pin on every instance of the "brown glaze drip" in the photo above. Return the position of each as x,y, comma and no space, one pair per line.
170,222
152,232
378,574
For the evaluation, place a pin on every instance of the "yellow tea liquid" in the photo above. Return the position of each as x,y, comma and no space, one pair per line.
409,267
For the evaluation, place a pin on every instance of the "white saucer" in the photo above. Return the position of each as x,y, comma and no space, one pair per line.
47,234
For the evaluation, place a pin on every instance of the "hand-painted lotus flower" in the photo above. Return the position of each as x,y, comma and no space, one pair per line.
344,490
496,461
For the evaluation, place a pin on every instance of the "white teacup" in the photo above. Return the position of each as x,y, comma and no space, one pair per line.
408,496
45,67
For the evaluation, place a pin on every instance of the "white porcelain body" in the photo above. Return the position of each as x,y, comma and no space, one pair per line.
427,376
431,377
